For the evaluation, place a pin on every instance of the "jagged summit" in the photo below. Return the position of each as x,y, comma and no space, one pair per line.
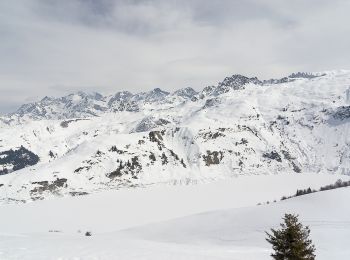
294,76
83,104
237,80
305,75
234,82
187,92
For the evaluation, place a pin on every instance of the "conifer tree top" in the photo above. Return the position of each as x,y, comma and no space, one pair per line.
291,241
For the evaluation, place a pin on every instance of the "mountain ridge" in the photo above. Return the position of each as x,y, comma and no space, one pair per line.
83,104
295,126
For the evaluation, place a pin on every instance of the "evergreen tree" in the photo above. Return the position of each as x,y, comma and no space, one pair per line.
292,241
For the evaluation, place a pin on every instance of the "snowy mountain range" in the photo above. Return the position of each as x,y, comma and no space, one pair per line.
87,142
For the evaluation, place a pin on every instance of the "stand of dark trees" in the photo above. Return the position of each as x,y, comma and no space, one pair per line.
336,185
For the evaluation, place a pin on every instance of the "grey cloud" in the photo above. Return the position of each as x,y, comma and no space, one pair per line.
52,47
149,16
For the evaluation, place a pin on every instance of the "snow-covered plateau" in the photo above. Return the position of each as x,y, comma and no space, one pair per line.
159,175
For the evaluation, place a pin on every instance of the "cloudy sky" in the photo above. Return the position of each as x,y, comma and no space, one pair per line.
54,47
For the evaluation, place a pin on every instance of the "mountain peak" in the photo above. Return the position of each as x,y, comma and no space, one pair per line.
187,92
155,95
236,81
159,91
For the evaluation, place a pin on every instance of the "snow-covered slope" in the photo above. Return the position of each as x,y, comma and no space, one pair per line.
242,126
240,233
232,228
125,208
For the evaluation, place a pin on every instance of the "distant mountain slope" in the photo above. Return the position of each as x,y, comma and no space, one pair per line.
89,142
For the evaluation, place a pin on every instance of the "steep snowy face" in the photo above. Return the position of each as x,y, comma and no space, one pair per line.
88,142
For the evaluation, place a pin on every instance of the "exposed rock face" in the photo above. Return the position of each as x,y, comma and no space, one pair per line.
48,187
148,123
213,157
273,156
234,82
342,113
122,101
212,102
293,77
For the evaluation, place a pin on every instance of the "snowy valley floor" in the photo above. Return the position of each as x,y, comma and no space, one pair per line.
167,222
